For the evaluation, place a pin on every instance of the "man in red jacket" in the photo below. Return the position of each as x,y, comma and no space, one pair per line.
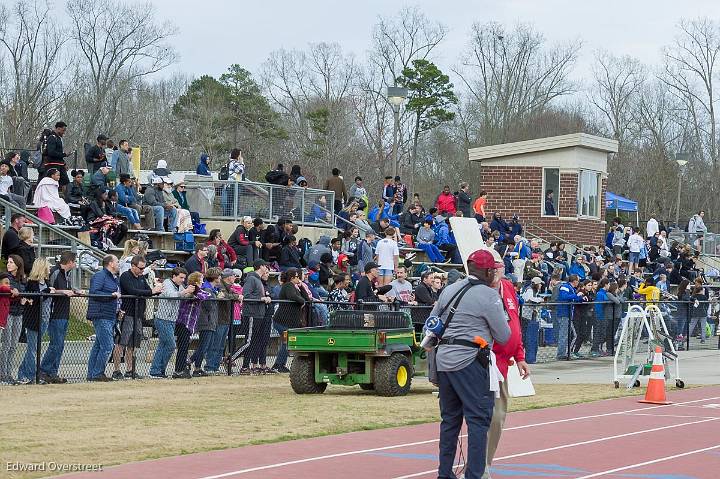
446,202
513,348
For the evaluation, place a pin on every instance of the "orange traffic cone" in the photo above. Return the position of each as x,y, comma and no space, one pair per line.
655,393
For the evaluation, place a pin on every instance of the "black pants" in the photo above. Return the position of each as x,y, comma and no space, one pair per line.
338,206
183,343
583,326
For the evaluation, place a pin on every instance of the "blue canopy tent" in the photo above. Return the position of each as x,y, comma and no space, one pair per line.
619,203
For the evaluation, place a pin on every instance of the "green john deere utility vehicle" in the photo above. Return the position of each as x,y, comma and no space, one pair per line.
379,350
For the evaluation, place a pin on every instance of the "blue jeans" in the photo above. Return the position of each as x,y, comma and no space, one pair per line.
561,327
465,393
129,213
217,347
282,353
432,252
172,218
159,213
203,346
103,346
165,347
57,329
29,364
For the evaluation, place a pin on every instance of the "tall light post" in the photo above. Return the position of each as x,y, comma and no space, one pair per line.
396,96
681,159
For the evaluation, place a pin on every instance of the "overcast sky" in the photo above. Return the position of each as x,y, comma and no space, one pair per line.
216,33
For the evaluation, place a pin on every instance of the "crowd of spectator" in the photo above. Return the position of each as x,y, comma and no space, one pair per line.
226,283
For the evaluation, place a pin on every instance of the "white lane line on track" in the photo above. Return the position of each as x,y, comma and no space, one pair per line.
430,441
574,444
646,463
670,415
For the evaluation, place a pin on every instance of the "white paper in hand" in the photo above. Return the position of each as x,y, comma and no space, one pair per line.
517,386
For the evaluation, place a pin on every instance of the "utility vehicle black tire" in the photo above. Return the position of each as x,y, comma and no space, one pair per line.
393,375
302,376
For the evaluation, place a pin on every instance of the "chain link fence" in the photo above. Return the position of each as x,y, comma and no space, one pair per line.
185,337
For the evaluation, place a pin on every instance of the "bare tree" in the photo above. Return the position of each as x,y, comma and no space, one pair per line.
117,49
691,74
617,84
511,74
396,42
33,44
313,91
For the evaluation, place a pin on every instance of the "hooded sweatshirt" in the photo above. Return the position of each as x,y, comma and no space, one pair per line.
315,253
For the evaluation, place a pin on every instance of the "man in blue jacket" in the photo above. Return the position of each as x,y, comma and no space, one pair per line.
577,267
102,311
562,325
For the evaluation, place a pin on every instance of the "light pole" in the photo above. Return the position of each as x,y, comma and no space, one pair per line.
396,96
681,159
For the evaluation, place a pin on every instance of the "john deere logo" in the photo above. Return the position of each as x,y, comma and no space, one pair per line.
331,341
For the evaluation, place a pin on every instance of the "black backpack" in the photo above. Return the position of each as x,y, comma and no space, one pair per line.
36,157
304,245
224,173
277,177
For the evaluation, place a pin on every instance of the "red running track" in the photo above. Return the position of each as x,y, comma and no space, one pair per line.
617,438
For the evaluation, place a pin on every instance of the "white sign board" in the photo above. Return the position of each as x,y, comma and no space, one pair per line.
467,235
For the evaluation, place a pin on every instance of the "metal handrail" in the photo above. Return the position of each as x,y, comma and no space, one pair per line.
266,190
75,242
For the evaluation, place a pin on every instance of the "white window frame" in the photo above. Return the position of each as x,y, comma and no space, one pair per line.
556,193
597,212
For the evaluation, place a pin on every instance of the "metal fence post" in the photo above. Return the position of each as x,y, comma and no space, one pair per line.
132,340
235,202
687,326
39,240
231,334
569,330
38,343
612,331
271,188
302,207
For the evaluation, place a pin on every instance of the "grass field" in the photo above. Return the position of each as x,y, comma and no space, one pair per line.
115,423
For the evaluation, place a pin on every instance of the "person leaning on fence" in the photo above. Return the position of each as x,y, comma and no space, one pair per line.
132,283
292,313
60,279
464,367
35,317
13,327
256,300
225,309
102,311
187,318
207,320
562,324
164,321
257,352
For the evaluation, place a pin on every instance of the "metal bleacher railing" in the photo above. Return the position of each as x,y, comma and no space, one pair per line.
231,200
52,240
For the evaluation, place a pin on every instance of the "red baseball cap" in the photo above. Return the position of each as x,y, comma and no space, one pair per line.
483,258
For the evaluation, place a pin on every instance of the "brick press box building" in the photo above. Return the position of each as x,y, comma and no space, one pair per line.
517,175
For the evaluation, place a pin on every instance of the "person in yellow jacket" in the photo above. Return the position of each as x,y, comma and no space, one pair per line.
650,291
